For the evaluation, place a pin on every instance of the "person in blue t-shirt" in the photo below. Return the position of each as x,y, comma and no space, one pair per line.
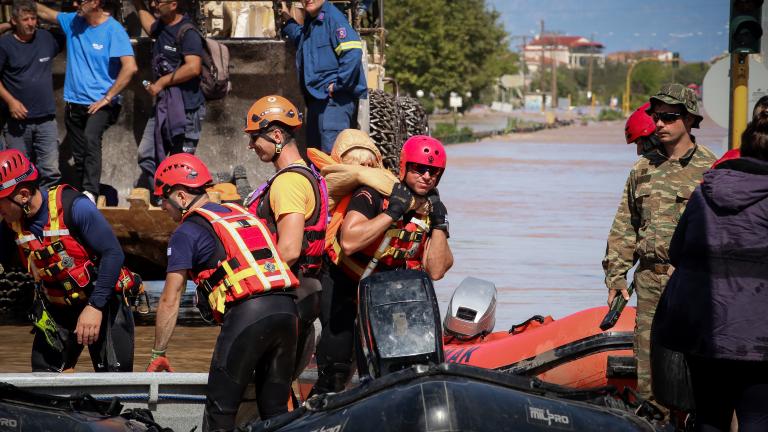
329,63
26,87
174,126
100,64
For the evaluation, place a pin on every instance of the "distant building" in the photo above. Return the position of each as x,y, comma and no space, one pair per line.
628,56
571,51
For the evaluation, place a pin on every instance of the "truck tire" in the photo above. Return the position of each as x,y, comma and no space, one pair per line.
17,289
413,117
384,128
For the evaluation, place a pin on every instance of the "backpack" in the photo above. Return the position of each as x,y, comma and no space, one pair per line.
214,79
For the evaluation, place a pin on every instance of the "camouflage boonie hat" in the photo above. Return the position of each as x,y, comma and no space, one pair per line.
678,94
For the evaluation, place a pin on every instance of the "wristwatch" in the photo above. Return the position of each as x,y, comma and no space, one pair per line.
442,227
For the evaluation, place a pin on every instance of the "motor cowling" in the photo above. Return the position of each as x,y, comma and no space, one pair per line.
398,322
472,309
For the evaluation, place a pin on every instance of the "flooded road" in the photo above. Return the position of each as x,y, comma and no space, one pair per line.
530,213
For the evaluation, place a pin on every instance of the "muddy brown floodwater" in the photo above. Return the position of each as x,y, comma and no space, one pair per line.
529,212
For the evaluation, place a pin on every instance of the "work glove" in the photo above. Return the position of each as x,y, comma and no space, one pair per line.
159,362
438,215
399,201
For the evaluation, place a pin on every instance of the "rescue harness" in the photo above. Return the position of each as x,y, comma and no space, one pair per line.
63,264
313,244
252,265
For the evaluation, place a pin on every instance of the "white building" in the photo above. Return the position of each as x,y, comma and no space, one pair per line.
571,51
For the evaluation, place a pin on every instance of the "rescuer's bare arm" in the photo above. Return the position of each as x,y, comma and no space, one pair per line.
168,308
290,235
438,258
357,231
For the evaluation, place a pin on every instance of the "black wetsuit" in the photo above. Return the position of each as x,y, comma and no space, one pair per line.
112,352
257,343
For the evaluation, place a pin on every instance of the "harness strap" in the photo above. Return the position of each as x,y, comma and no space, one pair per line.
49,251
221,273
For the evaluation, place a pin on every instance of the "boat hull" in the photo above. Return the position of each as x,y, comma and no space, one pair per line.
571,351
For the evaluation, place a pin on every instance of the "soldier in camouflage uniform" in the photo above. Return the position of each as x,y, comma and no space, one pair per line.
654,198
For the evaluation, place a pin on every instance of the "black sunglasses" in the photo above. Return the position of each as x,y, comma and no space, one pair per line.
258,134
666,117
423,169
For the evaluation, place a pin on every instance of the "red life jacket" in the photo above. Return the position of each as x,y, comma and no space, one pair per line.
405,248
313,245
66,267
252,265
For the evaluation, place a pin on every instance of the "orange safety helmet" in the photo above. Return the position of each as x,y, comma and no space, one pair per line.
270,109
181,169
15,168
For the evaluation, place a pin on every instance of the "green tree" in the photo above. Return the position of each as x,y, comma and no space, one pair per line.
441,46
692,73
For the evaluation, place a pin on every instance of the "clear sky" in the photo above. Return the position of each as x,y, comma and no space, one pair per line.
698,29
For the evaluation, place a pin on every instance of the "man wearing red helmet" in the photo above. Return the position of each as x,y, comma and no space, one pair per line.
293,203
408,229
242,284
640,130
77,261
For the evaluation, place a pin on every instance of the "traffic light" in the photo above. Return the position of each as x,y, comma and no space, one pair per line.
675,60
745,26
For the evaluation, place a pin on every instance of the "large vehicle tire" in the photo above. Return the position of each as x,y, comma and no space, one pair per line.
413,117
384,128
17,289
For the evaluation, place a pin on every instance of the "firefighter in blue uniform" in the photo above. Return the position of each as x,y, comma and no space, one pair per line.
329,62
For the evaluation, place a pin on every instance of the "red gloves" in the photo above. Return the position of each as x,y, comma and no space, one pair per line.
159,364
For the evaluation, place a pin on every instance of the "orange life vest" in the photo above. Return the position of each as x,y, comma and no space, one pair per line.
252,265
405,248
66,267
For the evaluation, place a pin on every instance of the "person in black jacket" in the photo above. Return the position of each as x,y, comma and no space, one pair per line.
713,309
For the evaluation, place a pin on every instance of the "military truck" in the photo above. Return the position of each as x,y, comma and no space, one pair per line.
261,63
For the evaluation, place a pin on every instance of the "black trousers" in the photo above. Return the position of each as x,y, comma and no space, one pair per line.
335,350
85,132
113,352
722,386
257,344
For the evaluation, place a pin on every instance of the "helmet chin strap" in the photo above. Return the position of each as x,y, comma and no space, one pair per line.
184,210
278,146
24,207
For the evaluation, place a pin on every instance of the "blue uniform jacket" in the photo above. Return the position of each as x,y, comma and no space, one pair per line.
329,51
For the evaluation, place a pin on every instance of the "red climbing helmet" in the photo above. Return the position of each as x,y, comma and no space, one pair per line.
425,150
15,168
639,124
181,169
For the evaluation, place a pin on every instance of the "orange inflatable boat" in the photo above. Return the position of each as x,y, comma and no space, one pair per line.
571,351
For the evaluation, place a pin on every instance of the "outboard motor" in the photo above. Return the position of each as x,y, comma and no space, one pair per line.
398,322
472,309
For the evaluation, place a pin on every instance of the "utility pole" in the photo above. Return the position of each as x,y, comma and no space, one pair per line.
522,59
590,96
541,64
552,48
